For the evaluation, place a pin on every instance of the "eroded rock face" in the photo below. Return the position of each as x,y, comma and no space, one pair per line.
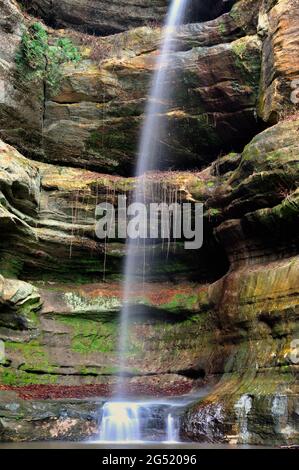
257,301
47,420
103,17
246,320
95,119
65,333
74,337
258,200
279,91
21,105
18,303
100,17
48,223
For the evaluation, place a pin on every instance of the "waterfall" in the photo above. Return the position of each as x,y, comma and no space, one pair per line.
124,421
147,160
121,420
159,94
172,429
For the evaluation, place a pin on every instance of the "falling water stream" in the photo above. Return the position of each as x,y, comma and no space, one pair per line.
123,420
143,421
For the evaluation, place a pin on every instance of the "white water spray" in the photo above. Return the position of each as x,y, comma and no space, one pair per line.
137,422
120,422
172,429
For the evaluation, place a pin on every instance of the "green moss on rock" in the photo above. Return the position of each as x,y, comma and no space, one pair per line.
88,336
20,378
247,58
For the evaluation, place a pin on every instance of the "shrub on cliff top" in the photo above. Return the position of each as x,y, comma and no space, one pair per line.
40,59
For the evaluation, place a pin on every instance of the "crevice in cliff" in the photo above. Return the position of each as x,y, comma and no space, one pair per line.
44,108
205,10
187,373
192,373
41,372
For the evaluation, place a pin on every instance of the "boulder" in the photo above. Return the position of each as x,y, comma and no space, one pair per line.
19,302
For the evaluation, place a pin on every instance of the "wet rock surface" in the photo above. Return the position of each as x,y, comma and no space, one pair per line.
72,420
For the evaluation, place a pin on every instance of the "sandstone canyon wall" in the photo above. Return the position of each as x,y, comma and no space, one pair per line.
225,315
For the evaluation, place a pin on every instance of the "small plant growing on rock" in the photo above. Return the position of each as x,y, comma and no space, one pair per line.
40,59
98,50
